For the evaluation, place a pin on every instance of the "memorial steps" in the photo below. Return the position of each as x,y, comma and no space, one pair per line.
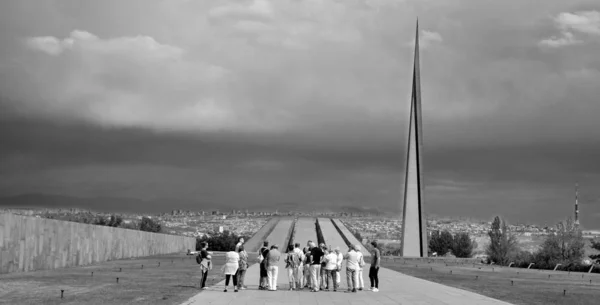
305,231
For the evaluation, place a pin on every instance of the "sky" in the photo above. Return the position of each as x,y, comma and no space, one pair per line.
303,103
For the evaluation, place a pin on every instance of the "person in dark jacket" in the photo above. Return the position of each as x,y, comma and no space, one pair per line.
263,252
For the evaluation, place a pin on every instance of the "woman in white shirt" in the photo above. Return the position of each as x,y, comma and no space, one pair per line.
360,283
232,263
330,270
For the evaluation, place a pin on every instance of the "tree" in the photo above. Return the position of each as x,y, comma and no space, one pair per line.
596,246
463,245
115,221
441,242
150,225
101,221
502,244
225,241
522,258
565,247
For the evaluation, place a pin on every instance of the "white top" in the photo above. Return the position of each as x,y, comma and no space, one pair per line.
340,259
232,262
300,254
352,260
360,259
331,259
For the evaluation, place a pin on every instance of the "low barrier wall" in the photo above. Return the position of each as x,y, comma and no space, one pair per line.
347,235
254,243
443,260
31,243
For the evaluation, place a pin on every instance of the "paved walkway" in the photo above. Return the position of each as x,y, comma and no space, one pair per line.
394,288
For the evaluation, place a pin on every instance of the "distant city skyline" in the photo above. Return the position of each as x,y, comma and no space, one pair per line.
254,104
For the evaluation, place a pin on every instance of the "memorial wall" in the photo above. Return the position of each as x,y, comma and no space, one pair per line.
31,243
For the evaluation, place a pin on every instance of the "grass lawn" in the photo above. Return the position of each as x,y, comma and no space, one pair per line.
174,281
528,287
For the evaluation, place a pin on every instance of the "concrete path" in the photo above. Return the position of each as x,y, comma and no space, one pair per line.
305,231
394,288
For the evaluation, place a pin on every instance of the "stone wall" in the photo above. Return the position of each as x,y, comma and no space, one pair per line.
31,243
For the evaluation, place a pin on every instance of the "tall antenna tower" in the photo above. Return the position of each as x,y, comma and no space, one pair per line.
576,204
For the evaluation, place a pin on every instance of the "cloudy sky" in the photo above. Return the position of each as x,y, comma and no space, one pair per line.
303,102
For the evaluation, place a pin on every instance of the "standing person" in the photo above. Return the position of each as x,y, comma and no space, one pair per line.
230,269
262,254
331,265
374,270
351,268
205,264
307,262
239,244
300,268
359,274
292,261
273,257
242,268
340,259
322,273
316,257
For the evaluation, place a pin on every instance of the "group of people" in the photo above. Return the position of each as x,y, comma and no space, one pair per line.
236,264
312,267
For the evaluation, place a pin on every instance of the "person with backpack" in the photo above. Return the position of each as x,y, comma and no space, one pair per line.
262,255
292,261
300,268
241,274
204,259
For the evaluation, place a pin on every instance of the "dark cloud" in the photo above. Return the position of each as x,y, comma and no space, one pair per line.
258,103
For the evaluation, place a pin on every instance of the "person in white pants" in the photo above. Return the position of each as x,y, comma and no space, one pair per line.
359,274
272,269
300,268
340,259
316,257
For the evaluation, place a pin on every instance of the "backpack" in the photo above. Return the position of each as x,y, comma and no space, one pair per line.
293,260
261,257
242,264
198,259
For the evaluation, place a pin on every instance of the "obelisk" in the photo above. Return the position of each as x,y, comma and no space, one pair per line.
414,226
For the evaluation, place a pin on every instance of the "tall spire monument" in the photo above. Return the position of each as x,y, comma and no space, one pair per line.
414,225
577,204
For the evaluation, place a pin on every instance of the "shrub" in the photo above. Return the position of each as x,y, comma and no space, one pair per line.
463,245
522,259
566,247
225,241
150,225
441,242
